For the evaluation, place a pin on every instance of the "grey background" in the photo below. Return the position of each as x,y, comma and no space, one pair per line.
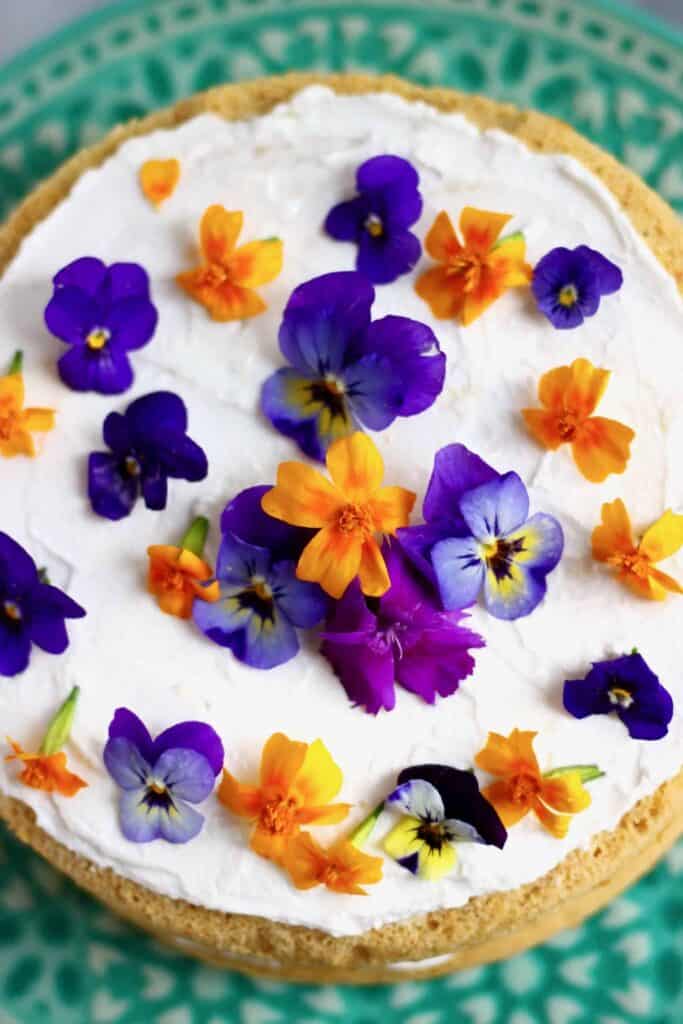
23,22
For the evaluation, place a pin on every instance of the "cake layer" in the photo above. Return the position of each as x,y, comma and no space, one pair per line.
285,170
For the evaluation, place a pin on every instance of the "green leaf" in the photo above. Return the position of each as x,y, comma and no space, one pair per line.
507,238
60,726
17,363
362,833
195,538
587,772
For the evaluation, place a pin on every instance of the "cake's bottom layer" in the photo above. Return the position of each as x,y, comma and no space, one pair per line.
486,929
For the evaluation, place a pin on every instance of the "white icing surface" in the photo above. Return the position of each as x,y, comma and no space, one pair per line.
285,170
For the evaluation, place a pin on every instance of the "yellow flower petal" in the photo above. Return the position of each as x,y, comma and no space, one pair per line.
319,779
331,559
12,389
218,233
256,263
507,755
356,467
391,508
281,762
372,571
302,496
586,388
664,538
39,420
481,228
158,179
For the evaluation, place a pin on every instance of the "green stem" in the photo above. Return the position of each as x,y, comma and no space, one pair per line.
60,727
587,772
17,362
43,575
195,538
362,833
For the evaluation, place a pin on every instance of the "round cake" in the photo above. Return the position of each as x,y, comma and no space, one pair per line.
341,546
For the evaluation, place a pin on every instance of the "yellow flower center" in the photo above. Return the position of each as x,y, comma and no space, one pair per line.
214,275
355,518
157,787
278,815
98,338
567,296
470,266
12,611
373,225
618,695
261,588
523,788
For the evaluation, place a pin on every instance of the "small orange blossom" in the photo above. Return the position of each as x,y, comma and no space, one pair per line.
158,179
635,563
341,868
46,771
17,423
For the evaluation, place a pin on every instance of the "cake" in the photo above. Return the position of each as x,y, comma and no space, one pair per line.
487,654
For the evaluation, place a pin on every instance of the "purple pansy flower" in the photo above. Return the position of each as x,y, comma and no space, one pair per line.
160,778
628,686
148,445
478,536
378,218
442,807
262,603
103,313
31,611
402,637
569,283
345,371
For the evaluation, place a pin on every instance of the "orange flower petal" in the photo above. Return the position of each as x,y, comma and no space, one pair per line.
281,762
481,228
664,538
39,420
372,571
175,602
12,390
332,559
47,772
245,801
556,824
614,535
356,467
158,179
391,507
331,814
565,794
302,496
218,233
256,263
544,427
507,755
304,861
319,778
342,868
499,796
507,260
441,242
664,581
601,447
553,387
586,388
19,442
271,845
443,291
643,586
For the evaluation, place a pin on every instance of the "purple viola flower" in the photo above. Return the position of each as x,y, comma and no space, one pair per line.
478,537
627,686
569,283
161,778
402,637
442,808
31,611
346,372
103,313
148,445
378,218
262,603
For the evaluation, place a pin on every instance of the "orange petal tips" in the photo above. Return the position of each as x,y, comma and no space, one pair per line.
17,424
158,179
226,280
178,576
341,868
349,512
634,563
569,396
47,769
473,272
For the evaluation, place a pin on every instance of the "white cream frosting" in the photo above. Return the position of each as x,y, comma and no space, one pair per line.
284,171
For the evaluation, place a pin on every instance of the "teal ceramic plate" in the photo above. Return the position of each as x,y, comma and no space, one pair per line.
615,75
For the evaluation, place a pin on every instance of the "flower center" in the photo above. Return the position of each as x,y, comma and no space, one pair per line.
523,788
277,816
214,275
373,225
469,266
330,393
173,580
638,564
8,423
98,338
567,295
131,465
12,611
355,518
330,874
566,426
620,697
261,588
499,554
156,787
432,834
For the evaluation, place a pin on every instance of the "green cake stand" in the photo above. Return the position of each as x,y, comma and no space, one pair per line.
615,75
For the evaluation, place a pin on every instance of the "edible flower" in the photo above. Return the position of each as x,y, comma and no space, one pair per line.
178,575
627,686
635,562
478,537
103,313
260,602
16,423
148,444
31,611
569,283
378,218
346,371
475,272
47,770
158,179
442,807
160,778
402,637
570,395
340,868
226,280
348,513
521,787
297,783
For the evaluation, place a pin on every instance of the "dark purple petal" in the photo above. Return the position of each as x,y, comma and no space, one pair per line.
583,697
187,774
648,720
609,276
70,315
456,470
154,487
17,568
106,370
245,518
419,364
125,763
384,258
49,607
156,416
183,459
196,736
126,724
374,391
462,800
345,220
651,708
582,269
116,434
123,281
436,656
55,601
497,508
564,318
391,185
365,670
132,322
86,273
380,171
15,647
409,588
351,614
112,492
418,542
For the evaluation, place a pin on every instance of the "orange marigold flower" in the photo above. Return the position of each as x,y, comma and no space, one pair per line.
158,179
17,423
522,788
176,577
226,280
475,272
46,771
297,783
570,395
341,868
635,563
348,513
